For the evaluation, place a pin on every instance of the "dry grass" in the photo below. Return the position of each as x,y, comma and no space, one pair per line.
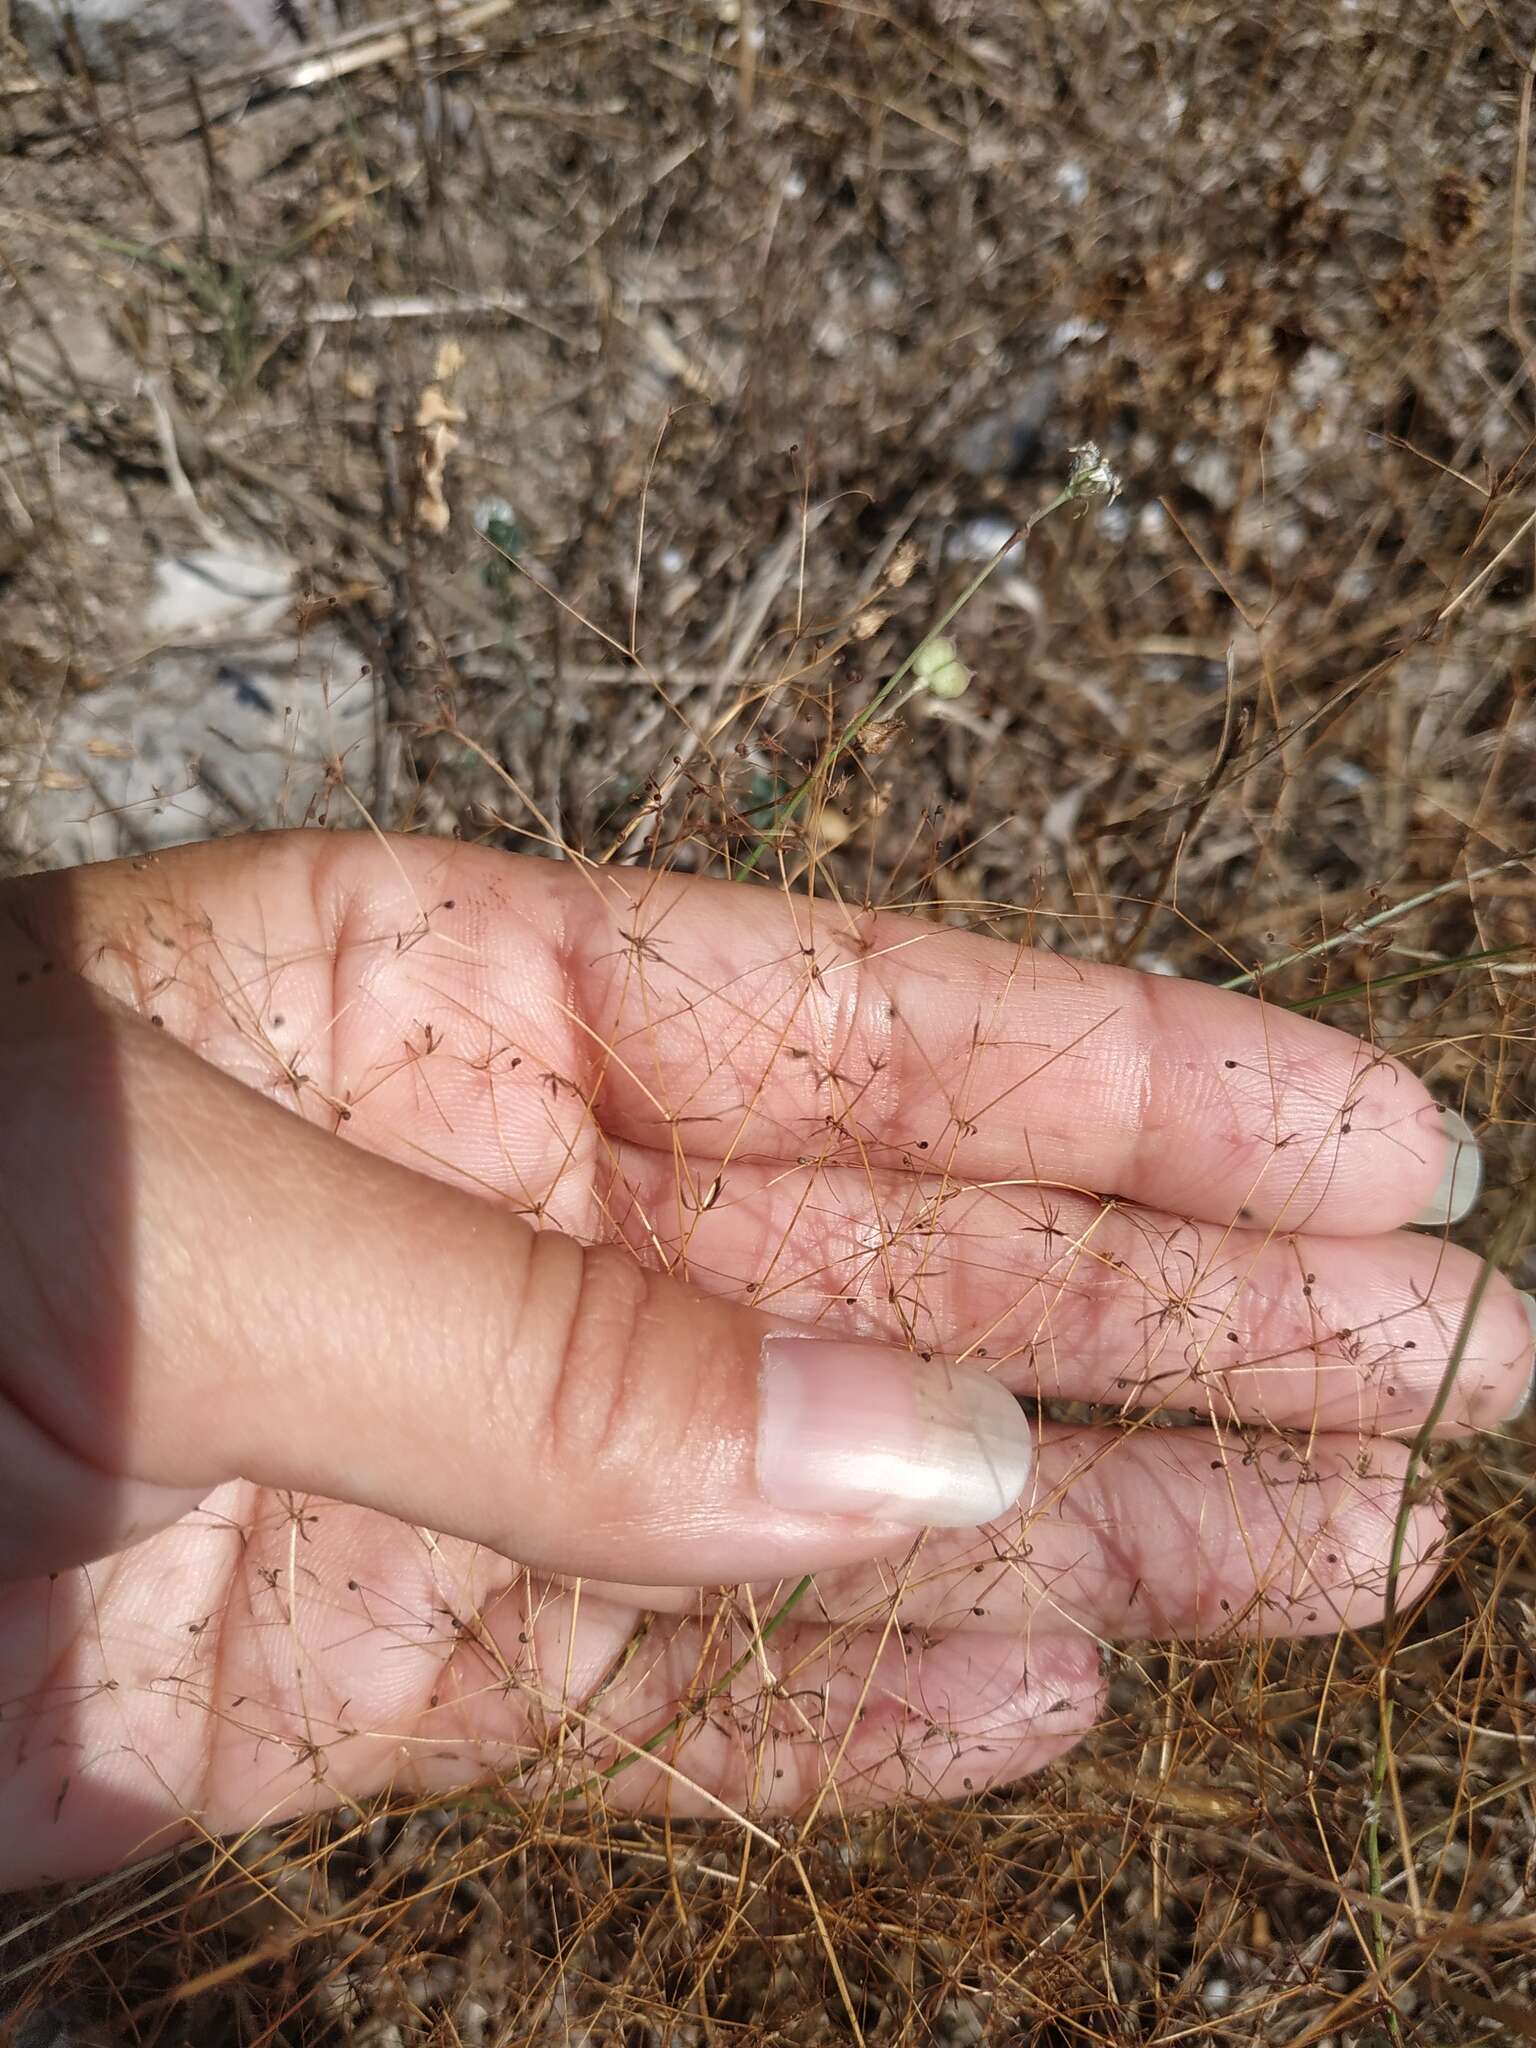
764,331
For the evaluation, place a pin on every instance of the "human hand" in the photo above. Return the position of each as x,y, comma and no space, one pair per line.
225,1319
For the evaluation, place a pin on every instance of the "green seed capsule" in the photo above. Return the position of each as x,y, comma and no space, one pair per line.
932,656
952,680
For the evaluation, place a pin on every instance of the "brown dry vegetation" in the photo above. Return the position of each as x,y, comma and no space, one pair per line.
789,306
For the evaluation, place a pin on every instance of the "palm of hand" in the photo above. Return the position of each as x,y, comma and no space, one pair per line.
858,1126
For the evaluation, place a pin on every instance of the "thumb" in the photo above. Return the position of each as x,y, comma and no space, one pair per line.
200,1286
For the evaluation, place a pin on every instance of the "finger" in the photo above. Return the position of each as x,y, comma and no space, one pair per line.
740,1023
1170,1532
785,1029
1077,1299
200,1287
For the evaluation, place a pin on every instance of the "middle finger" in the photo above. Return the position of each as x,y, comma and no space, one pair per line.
1071,1297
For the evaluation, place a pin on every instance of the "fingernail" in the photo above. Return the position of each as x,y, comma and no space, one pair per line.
858,1429
1528,1303
1462,1177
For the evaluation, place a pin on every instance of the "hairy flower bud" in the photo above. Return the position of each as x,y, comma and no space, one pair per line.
1091,475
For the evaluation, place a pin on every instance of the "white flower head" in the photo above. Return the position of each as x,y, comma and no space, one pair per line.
1091,475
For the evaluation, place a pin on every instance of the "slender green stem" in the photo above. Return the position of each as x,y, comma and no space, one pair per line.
1367,924
790,806
1308,1004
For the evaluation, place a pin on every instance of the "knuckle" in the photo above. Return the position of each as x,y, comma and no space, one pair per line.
599,1417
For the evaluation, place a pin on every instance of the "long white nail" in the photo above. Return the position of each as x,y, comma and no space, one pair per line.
1461,1180
859,1429
1528,1303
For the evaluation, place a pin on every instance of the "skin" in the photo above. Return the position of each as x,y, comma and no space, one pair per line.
324,1161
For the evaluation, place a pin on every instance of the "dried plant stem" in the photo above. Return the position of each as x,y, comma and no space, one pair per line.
654,1741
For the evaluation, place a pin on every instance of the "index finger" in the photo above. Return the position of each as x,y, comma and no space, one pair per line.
766,1027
